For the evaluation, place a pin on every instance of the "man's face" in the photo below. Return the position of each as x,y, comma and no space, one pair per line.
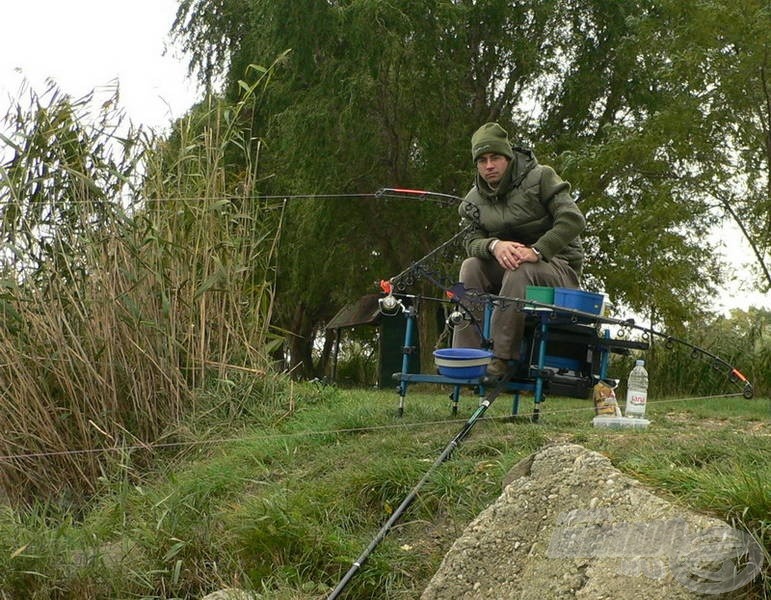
491,167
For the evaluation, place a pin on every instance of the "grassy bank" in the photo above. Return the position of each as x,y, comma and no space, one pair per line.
282,498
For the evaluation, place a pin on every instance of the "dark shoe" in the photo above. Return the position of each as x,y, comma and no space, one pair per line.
498,368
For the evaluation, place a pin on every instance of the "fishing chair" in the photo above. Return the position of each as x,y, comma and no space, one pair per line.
562,355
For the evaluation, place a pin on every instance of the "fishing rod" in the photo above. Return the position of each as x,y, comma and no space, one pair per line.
461,296
424,268
484,404
446,199
734,375
403,193
428,268
443,200
457,294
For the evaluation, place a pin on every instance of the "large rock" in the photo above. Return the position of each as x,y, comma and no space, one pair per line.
570,525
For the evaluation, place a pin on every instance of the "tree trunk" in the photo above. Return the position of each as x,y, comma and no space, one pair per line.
301,344
323,368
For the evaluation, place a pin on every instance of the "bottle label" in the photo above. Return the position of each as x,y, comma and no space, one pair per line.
635,401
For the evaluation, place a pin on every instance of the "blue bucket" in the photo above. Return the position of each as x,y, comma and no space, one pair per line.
462,363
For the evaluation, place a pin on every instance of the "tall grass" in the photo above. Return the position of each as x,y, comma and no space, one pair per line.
129,276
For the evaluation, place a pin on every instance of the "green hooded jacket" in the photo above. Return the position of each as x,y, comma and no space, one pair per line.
531,205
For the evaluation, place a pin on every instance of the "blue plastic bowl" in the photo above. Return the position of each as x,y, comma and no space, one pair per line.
462,363
463,372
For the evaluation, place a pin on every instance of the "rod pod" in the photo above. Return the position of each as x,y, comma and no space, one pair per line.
443,457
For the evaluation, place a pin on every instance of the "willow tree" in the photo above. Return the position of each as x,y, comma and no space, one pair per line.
373,93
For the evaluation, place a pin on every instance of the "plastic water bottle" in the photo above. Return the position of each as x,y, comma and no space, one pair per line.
637,391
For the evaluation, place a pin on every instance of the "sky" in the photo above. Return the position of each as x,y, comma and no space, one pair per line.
86,45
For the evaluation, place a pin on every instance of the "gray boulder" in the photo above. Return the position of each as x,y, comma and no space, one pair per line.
571,526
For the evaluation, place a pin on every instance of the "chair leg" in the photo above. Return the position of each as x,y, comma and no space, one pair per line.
455,397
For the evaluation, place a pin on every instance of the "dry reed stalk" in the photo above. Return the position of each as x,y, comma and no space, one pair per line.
125,317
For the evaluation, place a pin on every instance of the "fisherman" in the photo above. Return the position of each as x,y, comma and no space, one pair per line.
526,230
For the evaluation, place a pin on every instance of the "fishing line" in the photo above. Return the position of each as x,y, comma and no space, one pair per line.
315,433
384,194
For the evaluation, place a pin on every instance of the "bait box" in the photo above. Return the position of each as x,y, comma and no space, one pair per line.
587,302
537,293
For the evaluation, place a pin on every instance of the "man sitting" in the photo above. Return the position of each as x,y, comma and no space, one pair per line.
526,230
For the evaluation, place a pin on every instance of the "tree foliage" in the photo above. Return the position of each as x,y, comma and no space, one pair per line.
656,111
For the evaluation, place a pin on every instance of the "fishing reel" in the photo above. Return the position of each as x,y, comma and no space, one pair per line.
389,304
457,318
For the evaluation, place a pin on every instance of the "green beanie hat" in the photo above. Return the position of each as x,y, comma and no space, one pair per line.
490,137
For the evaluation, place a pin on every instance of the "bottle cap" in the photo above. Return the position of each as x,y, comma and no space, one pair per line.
639,362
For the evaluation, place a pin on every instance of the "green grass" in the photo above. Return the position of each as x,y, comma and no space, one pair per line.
283,503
